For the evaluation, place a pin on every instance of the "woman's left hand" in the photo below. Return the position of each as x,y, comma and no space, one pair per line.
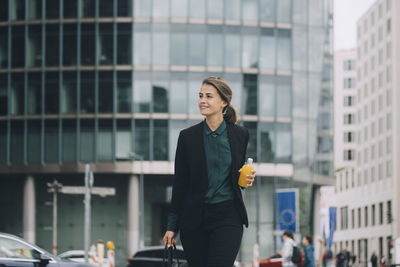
250,178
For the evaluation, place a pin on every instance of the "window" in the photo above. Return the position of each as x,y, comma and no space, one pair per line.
124,51
106,8
104,145
160,46
87,140
250,44
106,92
3,47
284,98
215,9
51,99
160,87
268,49
179,45
388,26
142,93
284,50
267,142
215,41
348,64
389,212
105,44
53,44
123,143
88,47
142,44
250,94
34,50
352,219
124,91
348,101
34,140
18,46
142,138
349,155
389,145
52,9
359,217
366,216
388,168
70,9
348,137
197,46
87,8
348,119
87,92
34,91
51,147
373,215
68,93
69,140
250,10
381,213
160,140
283,143
344,218
178,97
125,8
349,83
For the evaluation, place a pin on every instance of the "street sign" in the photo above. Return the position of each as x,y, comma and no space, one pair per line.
80,190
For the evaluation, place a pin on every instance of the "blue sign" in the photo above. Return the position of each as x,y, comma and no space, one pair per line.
332,225
287,209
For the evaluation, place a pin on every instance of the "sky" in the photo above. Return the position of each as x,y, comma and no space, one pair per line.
346,14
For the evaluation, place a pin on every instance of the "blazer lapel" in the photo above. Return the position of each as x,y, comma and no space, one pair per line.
202,155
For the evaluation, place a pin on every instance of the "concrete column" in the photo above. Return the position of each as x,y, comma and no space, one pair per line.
29,210
133,215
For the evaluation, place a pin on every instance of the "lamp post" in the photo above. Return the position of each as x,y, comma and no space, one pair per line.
136,156
54,188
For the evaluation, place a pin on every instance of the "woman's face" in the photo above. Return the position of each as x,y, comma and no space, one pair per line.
210,102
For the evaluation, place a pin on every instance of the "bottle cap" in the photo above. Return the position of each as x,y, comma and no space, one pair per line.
249,161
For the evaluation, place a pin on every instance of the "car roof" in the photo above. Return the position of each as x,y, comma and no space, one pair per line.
156,248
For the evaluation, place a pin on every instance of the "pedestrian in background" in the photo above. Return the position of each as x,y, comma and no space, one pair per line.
374,260
382,261
207,205
287,249
309,260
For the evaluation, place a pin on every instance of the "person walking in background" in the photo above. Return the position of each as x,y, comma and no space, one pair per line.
353,259
207,205
287,249
347,257
309,260
340,259
374,260
382,261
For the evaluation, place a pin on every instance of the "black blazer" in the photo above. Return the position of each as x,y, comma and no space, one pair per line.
191,177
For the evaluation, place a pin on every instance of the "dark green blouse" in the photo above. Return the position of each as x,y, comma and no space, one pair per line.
219,160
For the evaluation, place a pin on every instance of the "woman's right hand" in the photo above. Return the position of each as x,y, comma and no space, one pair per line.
169,238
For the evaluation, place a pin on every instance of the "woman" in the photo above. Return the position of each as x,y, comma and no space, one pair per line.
309,260
207,206
287,250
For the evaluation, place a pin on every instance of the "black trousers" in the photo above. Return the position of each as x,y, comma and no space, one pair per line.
217,241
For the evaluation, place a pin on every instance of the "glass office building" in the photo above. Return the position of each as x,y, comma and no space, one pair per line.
89,81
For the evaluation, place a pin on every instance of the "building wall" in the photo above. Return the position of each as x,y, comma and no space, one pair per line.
90,81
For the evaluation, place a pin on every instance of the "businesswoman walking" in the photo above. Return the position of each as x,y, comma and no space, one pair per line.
207,205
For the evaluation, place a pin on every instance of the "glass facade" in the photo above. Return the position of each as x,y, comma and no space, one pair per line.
92,80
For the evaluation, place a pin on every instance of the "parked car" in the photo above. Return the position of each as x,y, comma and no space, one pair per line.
153,257
15,251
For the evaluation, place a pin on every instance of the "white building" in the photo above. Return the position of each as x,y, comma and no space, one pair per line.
367,197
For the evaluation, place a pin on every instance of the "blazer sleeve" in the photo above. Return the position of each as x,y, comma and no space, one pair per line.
181,176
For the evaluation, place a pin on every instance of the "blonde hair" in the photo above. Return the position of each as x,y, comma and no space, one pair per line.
225,92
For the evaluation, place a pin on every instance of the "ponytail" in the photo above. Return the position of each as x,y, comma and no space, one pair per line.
230,114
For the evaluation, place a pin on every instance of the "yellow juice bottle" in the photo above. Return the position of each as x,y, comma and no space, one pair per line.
246,169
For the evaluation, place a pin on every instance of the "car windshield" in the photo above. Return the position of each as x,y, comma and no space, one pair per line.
10,248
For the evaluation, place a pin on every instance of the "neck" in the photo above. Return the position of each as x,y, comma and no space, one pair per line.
214,121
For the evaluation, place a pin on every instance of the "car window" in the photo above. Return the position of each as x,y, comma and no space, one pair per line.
10,248
147,253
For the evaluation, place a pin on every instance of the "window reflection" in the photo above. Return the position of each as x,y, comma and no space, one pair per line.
142,92
70,45
215,9
17,10
3,94
160,9
3,141
176,126
142,44
106,49
194,89
17,141
4,11
215,42
18,46
285,10
232,48
104,147
106,92
250,48
284,97
17,94
160,140
34,93
267,10
250,10
235,81
252,145
284,50
197,46
106,8
34,9
124,91
178,96
160,47
160,92
87,140
71,9
179,8
51,93
142,8
52,9
123,143
34,53
124,50
3,47
51,140
232,10
68,93
179,45
87,8
124,8
52,44
88,47
34,140
267,50
197,9
142,138
283,143
69,140
87,92
250,94
267,138
267,100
